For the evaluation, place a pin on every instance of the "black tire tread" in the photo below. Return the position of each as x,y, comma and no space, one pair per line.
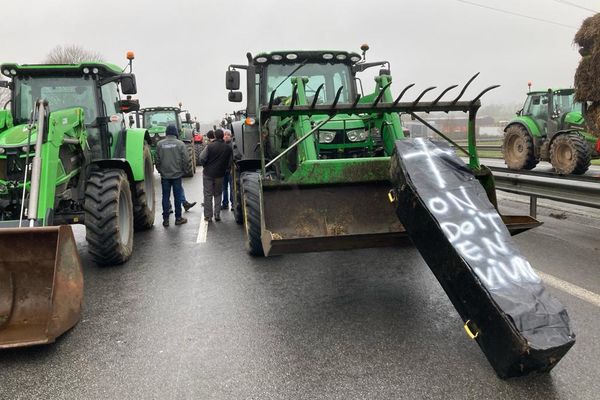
579,146
530,160
251,199
143,214
101,208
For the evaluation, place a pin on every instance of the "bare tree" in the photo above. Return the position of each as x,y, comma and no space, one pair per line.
72,54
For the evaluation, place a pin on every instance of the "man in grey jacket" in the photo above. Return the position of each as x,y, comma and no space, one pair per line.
171,161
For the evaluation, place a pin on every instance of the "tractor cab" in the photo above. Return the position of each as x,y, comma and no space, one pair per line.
91,87
553,110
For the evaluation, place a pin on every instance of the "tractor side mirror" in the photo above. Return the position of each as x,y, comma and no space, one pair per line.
188,117
519,112
129,105
232,80
128,84
235,97
198,126
131,121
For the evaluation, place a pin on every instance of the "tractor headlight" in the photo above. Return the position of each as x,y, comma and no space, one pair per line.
2,150
357,135
326,136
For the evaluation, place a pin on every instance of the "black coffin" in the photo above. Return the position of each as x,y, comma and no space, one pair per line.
519,326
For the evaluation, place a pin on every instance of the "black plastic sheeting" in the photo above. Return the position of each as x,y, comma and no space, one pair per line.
519,326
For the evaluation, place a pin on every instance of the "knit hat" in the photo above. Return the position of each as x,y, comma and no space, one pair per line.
172,130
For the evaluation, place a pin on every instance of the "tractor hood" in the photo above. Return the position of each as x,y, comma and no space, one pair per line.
157,130
16,136
574,118
340,122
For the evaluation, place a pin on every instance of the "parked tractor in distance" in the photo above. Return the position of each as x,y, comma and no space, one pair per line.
66,157
156,120
550,127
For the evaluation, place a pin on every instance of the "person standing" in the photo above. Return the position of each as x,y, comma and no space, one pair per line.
227,181
171,162
215,159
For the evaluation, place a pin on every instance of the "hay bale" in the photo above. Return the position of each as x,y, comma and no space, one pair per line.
588,35
587,76
592,119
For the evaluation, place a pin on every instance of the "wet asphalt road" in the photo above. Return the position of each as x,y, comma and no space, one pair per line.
184,320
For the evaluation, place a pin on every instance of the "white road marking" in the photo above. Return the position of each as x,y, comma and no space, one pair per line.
202,231
571,289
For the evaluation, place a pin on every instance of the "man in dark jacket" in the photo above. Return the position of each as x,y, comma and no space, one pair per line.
216,158
171,162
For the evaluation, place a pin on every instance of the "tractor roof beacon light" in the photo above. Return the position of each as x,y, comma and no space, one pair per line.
364,48
529,86
130,57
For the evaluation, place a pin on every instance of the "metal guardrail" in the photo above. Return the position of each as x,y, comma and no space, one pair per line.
578,192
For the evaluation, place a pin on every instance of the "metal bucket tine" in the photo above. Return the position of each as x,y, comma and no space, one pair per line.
402,93
449,88
422,94
41,283
464,89
484,91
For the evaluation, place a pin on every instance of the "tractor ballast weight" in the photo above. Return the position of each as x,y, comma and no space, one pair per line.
315,173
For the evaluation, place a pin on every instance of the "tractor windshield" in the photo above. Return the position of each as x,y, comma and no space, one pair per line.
159,118
564,103
60,92
333,76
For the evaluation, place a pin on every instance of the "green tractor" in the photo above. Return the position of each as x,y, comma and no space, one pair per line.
156,120
550,127
320,165
66,157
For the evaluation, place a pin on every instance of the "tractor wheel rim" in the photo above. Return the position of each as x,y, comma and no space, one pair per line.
564,153
124,223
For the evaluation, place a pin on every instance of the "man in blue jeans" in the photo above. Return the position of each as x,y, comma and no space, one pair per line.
171,161
227,196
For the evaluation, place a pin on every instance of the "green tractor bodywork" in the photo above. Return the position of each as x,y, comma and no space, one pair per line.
84,137
550,127
65,158
313,155
156,119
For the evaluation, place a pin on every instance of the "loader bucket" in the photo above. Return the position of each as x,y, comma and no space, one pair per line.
41,285
328,217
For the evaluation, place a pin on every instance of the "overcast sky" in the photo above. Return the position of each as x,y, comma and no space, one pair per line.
183,47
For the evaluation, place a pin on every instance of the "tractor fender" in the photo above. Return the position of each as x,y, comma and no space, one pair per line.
565,131
134,151
116,163
526,123
248,164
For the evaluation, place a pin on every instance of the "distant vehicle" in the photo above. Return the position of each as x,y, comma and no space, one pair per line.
550,127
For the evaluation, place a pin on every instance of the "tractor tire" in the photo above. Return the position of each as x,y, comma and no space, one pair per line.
238,212
191,167
252,214
570,154
109,217
198,147
145,200
518,149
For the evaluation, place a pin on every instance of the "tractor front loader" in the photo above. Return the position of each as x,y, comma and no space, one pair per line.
322,166
65,158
